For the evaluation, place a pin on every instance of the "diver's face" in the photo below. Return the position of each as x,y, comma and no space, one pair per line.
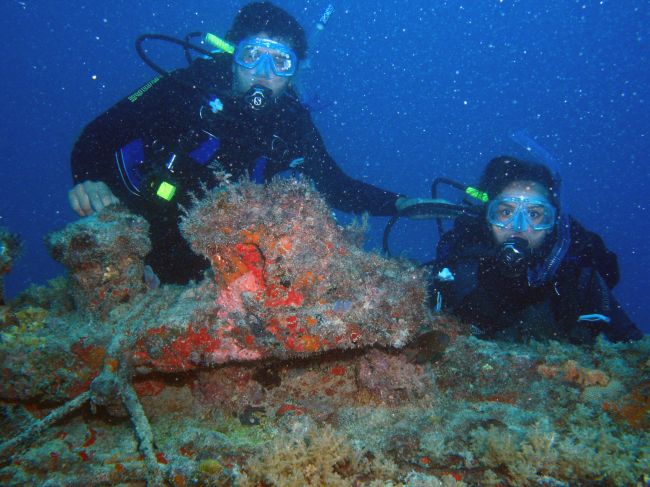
528,190
245,78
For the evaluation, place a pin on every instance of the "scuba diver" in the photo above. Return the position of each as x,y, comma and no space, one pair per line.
523,269
234,112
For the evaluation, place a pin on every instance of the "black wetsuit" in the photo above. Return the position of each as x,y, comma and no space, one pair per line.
173,116
503,306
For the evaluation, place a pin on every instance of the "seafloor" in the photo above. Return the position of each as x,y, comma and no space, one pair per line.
299,360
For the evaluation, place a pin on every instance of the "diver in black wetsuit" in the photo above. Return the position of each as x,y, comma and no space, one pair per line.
522,270
236,114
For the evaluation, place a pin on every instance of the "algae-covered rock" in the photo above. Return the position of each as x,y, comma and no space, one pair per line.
9,251
301,360
104,254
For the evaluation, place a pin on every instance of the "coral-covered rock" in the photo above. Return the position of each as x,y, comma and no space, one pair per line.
571,372
290,282
392,374
287,368
287,283
9,250
104,254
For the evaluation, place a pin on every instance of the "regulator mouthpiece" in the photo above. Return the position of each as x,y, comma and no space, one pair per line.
512,257
258,97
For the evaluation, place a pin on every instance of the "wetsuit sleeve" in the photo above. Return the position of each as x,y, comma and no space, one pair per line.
340,190
460,251
596,298
592,252
160,99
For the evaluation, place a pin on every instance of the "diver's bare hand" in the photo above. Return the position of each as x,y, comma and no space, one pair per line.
91,196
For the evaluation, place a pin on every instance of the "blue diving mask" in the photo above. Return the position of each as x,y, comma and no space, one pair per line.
519,213
266,56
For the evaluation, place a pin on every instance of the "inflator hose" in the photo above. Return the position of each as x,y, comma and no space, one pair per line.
428,210
186,45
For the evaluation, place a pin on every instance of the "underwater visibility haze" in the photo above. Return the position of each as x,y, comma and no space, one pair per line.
336,374
404,93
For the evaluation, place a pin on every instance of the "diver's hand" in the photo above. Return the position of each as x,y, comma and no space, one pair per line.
90,197
403,203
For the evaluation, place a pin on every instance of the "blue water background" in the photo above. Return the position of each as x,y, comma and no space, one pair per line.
411,91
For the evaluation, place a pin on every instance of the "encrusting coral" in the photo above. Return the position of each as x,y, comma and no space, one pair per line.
289,268
570,371
298,360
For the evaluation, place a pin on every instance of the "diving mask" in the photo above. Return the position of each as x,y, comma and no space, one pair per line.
266,56
519,213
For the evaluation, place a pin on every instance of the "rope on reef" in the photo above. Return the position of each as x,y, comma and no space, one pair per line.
108,384
144,433
37,427
138,417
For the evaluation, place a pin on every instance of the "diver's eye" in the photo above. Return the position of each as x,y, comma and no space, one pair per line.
535,214
251,55
282,61
505,213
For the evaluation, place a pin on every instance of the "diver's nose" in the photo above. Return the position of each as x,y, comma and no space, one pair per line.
519,223
263,68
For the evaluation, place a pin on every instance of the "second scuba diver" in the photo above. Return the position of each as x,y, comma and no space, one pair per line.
520,271
237,114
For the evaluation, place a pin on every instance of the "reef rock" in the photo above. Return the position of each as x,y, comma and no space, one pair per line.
9,250
286,283
104,256
299,360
